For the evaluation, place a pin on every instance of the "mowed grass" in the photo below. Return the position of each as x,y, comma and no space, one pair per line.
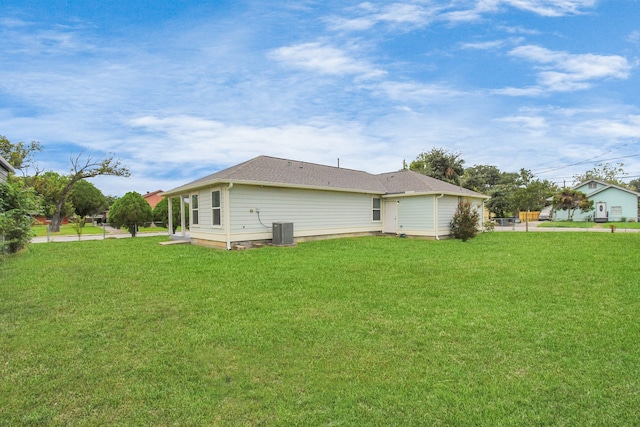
508,329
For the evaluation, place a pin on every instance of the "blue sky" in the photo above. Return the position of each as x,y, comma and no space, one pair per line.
181,89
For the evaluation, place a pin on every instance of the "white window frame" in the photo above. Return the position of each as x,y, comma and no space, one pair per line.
376,210
195,208
217,209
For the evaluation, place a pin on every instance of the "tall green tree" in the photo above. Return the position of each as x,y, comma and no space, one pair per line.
82,168
129,212
440,164
607,172
501,204
49,187
481,178
87,199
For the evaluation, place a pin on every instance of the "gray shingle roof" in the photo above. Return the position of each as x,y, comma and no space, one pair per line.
283,172
5,165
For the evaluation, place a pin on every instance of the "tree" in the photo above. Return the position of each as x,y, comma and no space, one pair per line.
19,155
87,199
532,194
501,204
570,200
17,204
606,172
481,178
130,211
440,164
49,187
161,213
83,169
464,224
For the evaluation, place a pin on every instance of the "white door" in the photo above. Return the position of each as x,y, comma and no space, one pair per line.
390,219
601,212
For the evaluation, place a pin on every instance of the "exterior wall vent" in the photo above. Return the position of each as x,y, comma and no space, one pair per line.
282,233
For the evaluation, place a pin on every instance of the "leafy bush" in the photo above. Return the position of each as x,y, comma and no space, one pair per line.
489,226
17,204
464,225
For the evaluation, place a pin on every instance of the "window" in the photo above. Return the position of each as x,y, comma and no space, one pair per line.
593,185
377,212
616,210
215,206
194,209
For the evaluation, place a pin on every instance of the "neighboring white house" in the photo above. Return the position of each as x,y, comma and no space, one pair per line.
5,169
610,202
241,203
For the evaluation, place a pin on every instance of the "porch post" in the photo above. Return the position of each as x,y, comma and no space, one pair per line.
183,223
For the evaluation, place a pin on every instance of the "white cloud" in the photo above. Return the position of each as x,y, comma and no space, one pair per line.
419,92
411,14
552,8
219,143
396,14
528,122
324,59
491,45
562,71
626,127
634,37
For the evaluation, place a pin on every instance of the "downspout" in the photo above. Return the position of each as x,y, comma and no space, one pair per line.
170,216
435,215
227,216
483,218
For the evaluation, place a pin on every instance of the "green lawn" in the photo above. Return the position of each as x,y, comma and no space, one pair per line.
508,329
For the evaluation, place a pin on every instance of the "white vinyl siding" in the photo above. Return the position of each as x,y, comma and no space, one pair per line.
447,207
312,212
415,213
377,209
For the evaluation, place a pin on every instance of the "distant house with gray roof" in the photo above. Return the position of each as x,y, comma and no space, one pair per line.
5,169
241,203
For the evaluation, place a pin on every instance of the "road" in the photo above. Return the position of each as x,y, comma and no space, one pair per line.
110,233
533,227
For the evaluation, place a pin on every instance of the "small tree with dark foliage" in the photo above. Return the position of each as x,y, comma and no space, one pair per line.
130,211
464,225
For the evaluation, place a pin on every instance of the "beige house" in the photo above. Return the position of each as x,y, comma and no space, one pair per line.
249,201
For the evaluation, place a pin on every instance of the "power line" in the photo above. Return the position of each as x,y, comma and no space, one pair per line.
592,159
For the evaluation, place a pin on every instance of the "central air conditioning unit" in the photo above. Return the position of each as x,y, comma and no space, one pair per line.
282,233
